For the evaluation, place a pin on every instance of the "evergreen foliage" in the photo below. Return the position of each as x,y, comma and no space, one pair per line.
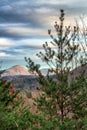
63,105
13,114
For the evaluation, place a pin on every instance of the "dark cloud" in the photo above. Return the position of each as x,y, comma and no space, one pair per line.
11,52
32,47
16,12
14,17
31,14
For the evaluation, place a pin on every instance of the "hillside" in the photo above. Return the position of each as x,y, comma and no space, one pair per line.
77,71
21,78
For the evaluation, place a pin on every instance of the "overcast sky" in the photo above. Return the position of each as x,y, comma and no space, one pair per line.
24,25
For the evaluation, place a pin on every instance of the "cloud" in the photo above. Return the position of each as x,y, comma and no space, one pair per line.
29,11
22,31
26,32
3,54
32,18
5,42
24,24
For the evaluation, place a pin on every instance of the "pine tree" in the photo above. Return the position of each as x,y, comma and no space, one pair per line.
7,96
63,104
13,114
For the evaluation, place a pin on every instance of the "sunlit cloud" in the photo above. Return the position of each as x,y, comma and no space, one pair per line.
5,42
3,54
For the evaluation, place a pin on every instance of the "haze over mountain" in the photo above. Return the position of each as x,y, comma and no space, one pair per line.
22,78
19,70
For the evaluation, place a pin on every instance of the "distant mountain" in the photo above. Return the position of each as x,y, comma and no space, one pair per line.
21,78
77,71
28,82
16,70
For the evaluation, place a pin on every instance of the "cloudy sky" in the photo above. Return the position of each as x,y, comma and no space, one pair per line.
24,25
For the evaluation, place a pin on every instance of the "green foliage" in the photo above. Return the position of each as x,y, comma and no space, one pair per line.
13,114
28,94
5,101
63,104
